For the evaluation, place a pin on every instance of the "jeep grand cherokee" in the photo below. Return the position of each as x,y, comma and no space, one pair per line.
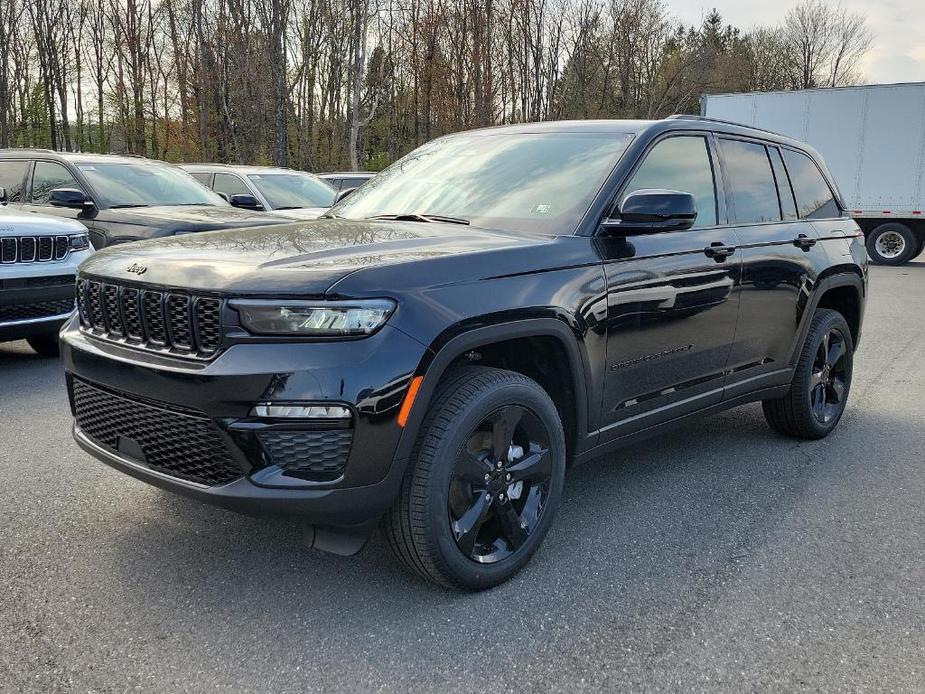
495,306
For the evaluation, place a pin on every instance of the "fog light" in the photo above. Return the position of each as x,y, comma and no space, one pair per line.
301,411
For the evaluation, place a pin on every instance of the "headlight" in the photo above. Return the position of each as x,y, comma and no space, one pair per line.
315,319
79,242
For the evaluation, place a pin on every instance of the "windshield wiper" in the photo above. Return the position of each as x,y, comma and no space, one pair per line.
292,207
417,217
129,204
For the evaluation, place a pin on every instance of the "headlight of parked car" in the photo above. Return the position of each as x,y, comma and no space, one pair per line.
315,319
79,242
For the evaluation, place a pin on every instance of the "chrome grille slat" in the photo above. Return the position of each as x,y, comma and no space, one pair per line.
150,319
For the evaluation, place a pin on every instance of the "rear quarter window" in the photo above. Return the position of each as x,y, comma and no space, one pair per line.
813,195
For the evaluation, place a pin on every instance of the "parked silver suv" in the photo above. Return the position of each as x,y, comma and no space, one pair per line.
39,256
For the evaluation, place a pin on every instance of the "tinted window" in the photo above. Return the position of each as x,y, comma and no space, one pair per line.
230,184
204,178
754,196
539,182
12,174
784,191
814,197
46,176
680,163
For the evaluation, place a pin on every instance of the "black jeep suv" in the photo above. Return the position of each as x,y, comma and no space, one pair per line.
495,306
118,199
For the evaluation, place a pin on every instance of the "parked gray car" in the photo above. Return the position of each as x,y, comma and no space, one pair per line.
287,192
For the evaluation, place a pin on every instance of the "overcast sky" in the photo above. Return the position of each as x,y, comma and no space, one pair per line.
898,52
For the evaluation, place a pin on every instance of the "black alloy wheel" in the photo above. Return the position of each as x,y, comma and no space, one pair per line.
500,484
483,482
818,393
829,377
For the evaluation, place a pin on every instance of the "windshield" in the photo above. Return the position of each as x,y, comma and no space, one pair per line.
535,182
131,184
292,190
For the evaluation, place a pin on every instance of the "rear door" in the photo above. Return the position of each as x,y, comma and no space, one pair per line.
781,257
671,297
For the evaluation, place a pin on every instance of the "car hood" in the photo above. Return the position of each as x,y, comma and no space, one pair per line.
13,223
304,259
189,217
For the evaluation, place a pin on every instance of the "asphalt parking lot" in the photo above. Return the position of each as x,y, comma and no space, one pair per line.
721,557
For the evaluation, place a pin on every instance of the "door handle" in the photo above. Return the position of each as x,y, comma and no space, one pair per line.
804,242
719,251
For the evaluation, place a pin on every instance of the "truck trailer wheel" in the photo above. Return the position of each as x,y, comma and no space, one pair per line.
892,244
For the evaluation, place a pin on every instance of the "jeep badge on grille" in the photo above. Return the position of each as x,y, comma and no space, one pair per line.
136,269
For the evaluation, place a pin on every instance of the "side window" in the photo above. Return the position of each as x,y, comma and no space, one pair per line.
784,191
229,184
12,174
204,178
754,195
680,163
47,176
814,197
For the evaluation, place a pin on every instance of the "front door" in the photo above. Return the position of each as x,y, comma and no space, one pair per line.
46,176
672,300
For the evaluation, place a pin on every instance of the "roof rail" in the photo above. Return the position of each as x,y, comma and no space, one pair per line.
707,119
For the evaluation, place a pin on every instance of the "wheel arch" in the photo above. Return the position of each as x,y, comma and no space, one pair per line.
497,345
843,290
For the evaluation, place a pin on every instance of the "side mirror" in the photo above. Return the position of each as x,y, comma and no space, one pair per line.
69,197
245,202
343,194
650,211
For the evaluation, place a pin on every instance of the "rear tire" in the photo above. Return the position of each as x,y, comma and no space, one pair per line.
818,393
892,244
483,483
45,345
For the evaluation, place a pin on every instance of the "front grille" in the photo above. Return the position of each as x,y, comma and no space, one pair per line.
323,452
33,249
172,322
40,309
182,444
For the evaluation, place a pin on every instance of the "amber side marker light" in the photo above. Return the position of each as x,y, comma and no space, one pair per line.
408,402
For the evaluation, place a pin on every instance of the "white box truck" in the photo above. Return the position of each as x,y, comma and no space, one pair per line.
873,140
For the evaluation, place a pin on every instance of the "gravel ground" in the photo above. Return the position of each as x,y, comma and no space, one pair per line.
721,557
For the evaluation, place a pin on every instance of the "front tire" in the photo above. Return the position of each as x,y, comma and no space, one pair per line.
892,244
484,481
818,393
45,345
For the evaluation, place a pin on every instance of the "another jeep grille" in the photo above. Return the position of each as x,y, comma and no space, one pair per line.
180,443
33,249
172,322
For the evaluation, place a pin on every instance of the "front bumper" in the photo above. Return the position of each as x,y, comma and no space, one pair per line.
27,310
369,376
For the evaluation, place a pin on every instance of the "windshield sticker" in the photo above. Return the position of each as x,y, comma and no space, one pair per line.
542,209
